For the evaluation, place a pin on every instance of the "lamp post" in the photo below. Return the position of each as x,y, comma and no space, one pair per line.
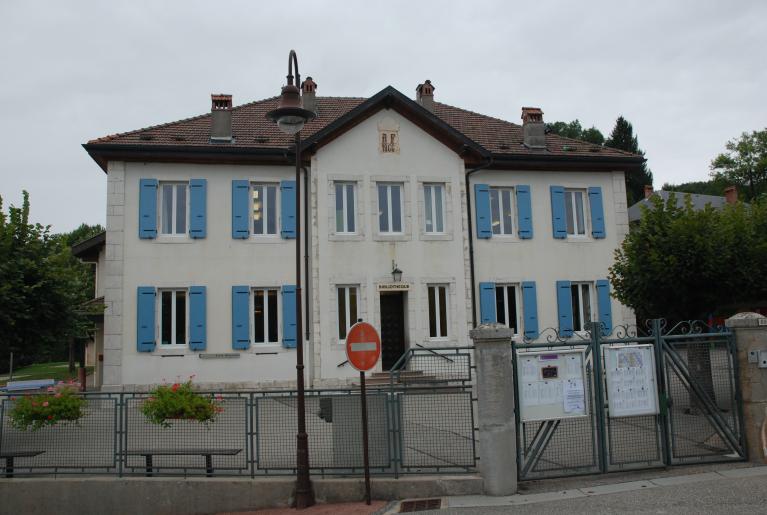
290,117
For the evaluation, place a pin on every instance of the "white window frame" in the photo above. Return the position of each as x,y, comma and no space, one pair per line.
574,213
174,202
389,186
266,341
580,312
265,207
512,199
517,303
347,307
429,187
438,320
345,207
173,326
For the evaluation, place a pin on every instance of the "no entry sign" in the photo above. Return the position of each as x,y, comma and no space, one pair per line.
363,346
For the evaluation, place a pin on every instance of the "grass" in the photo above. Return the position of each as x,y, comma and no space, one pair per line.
58,370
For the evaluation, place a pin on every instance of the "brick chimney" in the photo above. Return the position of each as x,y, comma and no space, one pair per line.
731,194
221,114
533,129
424,95
648,191
308,89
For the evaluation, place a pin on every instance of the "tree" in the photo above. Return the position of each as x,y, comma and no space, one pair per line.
714,187
744,163
623,138
574,130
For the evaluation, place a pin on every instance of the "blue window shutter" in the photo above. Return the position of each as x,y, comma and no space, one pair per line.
530,307
565,308
288,209
145,325
197,330
558,217
289,316
605,307
147,209
597,212
487,303
198,189
240,317
482,210
240,209
524,212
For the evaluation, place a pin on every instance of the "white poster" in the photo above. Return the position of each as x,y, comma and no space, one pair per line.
551,384
632,389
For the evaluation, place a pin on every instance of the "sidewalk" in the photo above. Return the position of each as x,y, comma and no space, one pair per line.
352,508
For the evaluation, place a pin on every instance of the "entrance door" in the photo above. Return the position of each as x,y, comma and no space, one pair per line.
392,328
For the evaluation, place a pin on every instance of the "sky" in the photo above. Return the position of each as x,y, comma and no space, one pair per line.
689,75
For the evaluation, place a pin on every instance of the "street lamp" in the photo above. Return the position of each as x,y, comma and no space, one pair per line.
290,117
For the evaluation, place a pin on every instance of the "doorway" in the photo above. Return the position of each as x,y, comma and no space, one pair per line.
392,328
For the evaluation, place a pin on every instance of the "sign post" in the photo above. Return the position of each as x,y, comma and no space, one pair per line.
363,350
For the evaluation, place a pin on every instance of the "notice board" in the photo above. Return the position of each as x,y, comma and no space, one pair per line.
552,384
632,388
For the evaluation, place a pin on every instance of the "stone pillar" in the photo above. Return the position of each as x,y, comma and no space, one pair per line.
495,408
750,331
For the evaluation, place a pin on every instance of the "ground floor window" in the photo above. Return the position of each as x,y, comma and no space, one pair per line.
437,310
581,298
265,315
506,306
173,317
347,309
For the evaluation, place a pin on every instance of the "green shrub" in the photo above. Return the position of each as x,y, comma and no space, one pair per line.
60,404
179,401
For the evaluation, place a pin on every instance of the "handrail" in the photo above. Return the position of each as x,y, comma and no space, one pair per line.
342,363
435,353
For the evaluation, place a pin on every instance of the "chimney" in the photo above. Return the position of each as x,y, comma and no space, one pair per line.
731,194
424,95
221,114
533,129
308,87
648,191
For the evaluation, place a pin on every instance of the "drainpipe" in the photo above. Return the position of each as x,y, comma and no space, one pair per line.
471,240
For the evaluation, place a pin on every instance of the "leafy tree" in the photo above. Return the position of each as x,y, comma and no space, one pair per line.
744,163
623,138
715,187
574,130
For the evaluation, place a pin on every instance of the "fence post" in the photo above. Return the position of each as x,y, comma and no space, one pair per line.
750,331
595,332
660,374
495,408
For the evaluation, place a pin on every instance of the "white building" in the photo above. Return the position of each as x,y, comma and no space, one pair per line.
487,220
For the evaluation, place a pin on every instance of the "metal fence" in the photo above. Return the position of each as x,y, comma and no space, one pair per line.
699,418
424,428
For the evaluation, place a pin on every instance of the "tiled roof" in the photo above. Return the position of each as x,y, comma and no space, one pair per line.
699,202
251,129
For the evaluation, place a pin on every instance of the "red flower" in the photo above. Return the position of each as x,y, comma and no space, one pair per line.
175,386
50,417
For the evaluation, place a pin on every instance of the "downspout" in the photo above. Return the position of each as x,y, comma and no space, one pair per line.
471,240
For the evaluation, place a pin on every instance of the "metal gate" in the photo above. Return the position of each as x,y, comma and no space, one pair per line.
699,417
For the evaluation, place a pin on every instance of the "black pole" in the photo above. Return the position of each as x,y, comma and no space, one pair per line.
304,494
365,458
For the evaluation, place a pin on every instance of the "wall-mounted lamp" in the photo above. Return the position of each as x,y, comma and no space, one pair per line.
396,273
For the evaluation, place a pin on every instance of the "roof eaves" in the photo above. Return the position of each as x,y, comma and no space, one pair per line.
86,248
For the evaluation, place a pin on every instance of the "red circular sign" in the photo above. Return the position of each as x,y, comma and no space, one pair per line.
363,346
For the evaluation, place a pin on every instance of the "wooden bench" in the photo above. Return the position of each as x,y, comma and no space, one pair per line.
208,453
10,455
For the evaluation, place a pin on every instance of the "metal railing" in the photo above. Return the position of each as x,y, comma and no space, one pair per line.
433,365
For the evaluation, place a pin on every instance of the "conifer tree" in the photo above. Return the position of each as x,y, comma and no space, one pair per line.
623,138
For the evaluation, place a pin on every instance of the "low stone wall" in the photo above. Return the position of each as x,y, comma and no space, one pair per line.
173,496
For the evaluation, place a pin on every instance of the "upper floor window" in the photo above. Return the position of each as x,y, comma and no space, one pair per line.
347,309
174,211
433,201
581,294
265,316
264,209
173,317
390,207
574,212
501,210
345,207
437,311
506,306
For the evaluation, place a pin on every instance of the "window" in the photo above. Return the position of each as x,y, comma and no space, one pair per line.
501,210
345,208
264,209
506,306
437,311
581,300
173,317
173,214
433,201
576,223
265,316
347,309
389,208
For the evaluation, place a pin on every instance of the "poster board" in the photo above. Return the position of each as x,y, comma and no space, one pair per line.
551,384
632,387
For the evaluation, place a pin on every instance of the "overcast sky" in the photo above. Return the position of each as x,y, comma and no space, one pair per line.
688,75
